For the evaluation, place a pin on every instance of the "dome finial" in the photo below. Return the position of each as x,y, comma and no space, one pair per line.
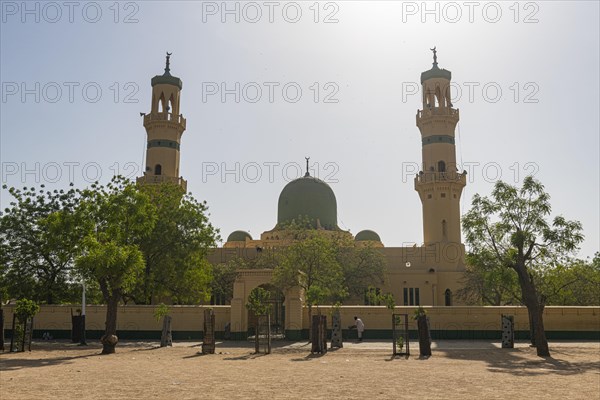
307,173
168,66
434,56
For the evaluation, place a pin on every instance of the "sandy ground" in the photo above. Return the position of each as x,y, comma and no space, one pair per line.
457,370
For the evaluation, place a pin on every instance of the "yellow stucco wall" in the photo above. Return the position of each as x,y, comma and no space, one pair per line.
189,318
472,318
129,318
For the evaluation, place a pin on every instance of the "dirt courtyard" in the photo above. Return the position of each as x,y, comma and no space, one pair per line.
457,370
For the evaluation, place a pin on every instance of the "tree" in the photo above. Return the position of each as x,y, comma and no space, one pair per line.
221,286
362,266
116,217
570,283
25,309
487,282
175,249
162,312
310,263
258,301
512,227
39,238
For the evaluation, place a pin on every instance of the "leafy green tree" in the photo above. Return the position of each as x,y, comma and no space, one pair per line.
39,239
362,266
117,217
487,282
26,309
175,249
258,301
513,226
221,286
570,283
311,264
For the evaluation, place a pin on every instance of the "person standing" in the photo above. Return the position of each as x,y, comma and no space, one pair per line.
360,327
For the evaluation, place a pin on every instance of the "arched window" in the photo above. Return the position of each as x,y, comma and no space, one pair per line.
448,297
438,97
441,166
170,105
158,169
161,103
429,97
444,230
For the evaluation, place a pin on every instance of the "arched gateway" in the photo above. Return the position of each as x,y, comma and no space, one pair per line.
287,306
276,311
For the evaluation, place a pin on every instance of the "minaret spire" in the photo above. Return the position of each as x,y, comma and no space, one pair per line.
168,64
307,173
434,57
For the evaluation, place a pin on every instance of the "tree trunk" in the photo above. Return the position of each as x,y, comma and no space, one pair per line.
535,310
166,337
531,329
540,333
424,341
109,340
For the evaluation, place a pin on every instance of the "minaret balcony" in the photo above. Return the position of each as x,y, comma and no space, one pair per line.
164,116
157,179
438,112
441,177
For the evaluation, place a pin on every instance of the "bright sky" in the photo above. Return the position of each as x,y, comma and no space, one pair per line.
76,75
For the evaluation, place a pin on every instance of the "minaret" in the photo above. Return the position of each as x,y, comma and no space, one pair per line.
164,126
439,183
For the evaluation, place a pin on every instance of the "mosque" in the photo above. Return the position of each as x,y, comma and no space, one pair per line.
420,275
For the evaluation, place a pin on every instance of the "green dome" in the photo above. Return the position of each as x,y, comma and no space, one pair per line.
238,236
367,235
308,197
435,72
167,79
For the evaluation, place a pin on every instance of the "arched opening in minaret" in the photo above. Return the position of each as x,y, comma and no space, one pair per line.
158,169
441,166
161,103
448,297
428,97
170,105
447,96
438,96
444,230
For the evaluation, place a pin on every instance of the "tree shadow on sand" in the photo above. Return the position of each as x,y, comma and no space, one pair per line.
11,364
309,357
250,356
524,361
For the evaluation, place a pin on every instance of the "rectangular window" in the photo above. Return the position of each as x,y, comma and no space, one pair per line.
412,297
